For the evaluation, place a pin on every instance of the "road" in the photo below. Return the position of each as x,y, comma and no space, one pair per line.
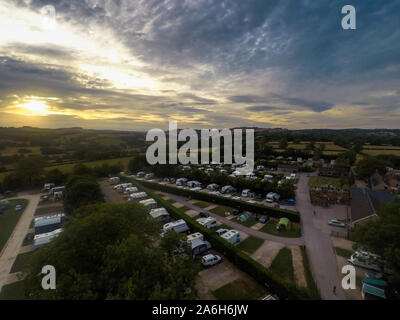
14,243
318,245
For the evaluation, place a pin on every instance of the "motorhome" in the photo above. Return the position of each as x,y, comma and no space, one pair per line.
227,189
248,193
272,197
181,181
232,236
149,203
44,238
131,190
159,214
213,187
178,226
209,222
137,196
57,189
149,176
193,184
113,180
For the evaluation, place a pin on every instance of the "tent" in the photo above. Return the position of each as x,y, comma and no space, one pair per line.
284,223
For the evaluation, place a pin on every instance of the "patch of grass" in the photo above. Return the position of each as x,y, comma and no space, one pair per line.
202,204
270,227
220,210
21,262
282,265
9,219
239,290
28,240
250,244
318,182
50,209
13,291
311,285
343,252
248,223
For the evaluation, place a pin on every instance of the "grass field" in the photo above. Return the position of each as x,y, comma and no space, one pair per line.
311,285
270,227
318,182
250,244
376,152
239,290
13,291
282,265
248,223
220,210
23,260
9,219
202,204
50,209
343,252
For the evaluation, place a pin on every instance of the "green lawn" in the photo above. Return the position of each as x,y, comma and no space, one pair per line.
202,204
248,223
343,252
282,265
13,291
250,244
239,290
22,261
220,210
9,219
49,209
270,227
375,152
318,182
311,285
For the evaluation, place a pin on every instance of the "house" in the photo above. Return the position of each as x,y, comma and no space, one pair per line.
366,203
149,203
333,171
159,214
290,168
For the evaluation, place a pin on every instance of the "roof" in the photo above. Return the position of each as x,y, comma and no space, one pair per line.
366,203
374,291
375,282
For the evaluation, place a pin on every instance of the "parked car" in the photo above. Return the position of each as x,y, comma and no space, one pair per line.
204,214
209,260
336,223
264,219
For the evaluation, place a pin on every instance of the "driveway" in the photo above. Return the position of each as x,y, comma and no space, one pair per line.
14,243
318,243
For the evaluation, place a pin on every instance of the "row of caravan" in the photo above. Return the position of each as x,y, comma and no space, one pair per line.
47,228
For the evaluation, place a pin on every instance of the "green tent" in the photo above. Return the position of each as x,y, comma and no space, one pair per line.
284,223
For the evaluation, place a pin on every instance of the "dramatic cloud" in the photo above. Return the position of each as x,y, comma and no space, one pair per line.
135,64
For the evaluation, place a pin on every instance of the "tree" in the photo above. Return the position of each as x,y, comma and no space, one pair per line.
114,251
137,163
30,170
55,176
81,190
382,236
369,165
283,143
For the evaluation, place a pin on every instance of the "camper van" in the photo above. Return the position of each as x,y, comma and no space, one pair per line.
178,226
213,187
181,182
228,189
194,184
272,197
232,236
131,190
159,214
207,222
149,203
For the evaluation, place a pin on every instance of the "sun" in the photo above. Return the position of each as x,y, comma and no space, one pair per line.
35,108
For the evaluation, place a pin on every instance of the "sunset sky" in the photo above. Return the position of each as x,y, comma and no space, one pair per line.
135,64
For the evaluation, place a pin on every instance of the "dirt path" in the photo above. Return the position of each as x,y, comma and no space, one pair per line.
14,243
298,266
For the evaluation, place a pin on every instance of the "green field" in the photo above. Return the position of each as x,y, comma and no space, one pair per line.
202,204
311,285
250,244
220,210
376,152
9,219
270,227
49,209
282,265
239,290
343,252
22,261
13,291
319,182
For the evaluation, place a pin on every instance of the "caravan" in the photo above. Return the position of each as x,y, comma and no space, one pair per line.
178,226
159,214
209,222
149,203
199,247
138,196
232,236
272,197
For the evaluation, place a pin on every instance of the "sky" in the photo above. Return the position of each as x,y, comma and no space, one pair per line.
136,64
